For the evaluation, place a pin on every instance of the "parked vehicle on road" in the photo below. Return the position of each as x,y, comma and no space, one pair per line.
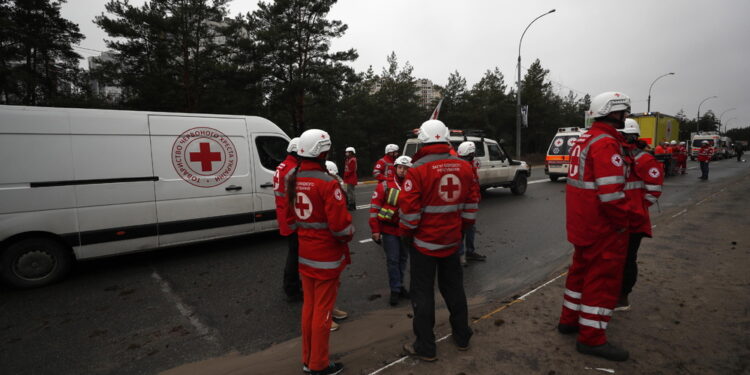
558,154
496,168
697,139
88,183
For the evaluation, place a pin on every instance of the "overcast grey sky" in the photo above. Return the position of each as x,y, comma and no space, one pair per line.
589,46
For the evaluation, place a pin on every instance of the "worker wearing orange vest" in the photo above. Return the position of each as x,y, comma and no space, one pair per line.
643,188
292,284
597,213
317,206
438,203
384,226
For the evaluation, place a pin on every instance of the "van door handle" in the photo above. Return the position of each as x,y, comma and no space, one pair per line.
233,187
267,185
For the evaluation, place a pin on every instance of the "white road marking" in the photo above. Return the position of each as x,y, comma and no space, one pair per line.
523,297
705,199
367,240
537,181
185,310
653,226
609,370
679,213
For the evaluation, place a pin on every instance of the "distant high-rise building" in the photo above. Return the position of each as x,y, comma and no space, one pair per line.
427,93
111,93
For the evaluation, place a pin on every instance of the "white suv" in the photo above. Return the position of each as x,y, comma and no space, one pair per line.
496,168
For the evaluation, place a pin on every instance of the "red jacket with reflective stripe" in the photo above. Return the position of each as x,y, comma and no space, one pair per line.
596,205
279,191
384,168
439,200
705,153
643,187
377,225
324,225
350,171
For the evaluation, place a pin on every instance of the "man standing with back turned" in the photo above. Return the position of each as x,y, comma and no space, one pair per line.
597,222
439,201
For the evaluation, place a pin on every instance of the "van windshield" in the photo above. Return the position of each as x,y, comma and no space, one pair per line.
411,148
561,144
698,142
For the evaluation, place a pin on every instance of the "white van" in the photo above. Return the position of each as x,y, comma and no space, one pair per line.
85,183
558,159
713,139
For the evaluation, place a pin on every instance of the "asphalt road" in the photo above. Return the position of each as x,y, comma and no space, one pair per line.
143,313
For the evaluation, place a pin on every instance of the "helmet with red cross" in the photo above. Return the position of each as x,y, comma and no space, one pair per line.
466,148
433,131
293,144
608,102
313,143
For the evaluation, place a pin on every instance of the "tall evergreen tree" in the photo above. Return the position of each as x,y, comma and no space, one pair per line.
167,52
37,63
295,38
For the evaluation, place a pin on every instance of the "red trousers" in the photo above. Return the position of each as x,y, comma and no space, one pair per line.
593,287
681,165
319,299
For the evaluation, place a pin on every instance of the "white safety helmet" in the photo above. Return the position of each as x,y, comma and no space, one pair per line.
403,160
351,149
682,143
391,148
313,142
608,102
704,142
673,143
466,148
631,127
433,131
293,145
331,167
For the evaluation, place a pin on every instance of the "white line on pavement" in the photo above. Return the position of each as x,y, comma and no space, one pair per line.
523,297
185,310
366,240
679,213
537,181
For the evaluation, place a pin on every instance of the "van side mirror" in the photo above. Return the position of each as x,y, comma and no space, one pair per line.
501,141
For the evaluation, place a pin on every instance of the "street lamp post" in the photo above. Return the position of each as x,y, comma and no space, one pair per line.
722,116
518,94
698,124
727,124
652,85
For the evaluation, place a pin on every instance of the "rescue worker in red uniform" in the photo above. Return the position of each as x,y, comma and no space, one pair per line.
438,203
643,187
317,206
350,177
384,227
597,213
292,285
682,158
467,151
705,154
384,168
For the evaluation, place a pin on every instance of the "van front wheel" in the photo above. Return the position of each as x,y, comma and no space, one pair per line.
34,262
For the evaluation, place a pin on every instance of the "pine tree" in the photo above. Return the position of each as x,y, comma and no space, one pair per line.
37,65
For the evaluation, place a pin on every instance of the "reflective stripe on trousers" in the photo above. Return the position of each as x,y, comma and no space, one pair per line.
322,265
433,246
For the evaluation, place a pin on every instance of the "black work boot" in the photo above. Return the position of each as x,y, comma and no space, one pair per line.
566,329
404,293
606,351
394,298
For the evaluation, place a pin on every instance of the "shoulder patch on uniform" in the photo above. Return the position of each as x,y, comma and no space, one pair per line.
408,185
617,160
654,172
